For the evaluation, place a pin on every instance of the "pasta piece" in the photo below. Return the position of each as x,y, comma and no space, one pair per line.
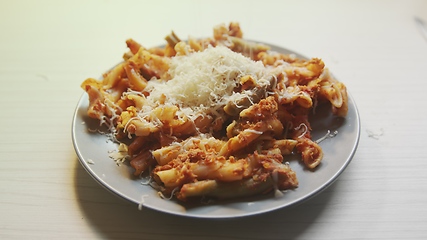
141,162
114,76
194,45
141,128
168,153
335,92
133,45
286,146
300,73
234,30
150,65
250,49
137,145
136,81
132,100
172,39
242,140
181,48
343,109
295,95
96,107
275,58
171,122
310,151
220,190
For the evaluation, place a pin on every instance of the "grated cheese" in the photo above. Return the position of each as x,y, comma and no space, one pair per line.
120,155
203,81
327,135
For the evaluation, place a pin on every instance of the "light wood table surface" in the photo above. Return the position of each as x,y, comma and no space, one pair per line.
47,48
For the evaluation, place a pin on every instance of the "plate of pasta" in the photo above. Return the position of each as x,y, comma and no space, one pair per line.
215,127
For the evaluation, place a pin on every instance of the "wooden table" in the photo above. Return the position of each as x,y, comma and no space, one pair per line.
49,47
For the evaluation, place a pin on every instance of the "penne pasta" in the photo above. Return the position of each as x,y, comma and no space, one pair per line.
215,117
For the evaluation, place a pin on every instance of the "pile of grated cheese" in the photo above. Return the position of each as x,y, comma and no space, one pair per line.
202,81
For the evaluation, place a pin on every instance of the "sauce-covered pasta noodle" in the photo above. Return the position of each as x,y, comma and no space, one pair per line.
214,117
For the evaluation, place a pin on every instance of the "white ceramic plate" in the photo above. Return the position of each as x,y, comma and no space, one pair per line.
93,152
